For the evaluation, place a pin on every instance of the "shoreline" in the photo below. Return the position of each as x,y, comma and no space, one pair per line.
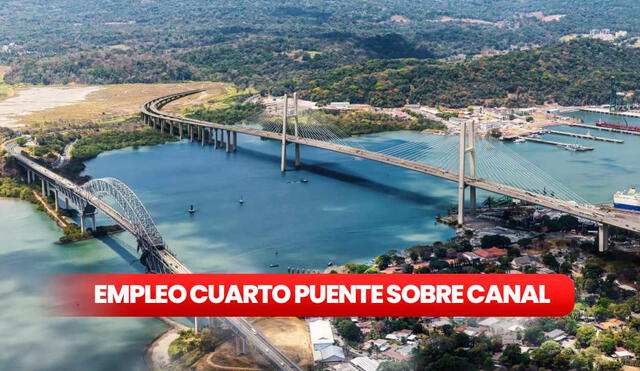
156,353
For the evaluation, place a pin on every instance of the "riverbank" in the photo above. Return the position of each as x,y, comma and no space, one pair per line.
156,354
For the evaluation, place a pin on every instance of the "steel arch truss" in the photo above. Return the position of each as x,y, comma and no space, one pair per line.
130,207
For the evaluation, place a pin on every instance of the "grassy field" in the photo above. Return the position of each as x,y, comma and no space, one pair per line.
6,90
290,334
112,102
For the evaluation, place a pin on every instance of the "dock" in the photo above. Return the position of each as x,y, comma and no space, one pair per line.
630,132
613,113
584,136
551,142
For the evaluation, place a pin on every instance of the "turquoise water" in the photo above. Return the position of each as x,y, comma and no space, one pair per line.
32,340
350,210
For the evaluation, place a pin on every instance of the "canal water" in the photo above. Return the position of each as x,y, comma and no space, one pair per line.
349,210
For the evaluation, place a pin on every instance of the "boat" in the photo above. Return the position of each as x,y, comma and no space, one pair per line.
241,201
192,209
304,180
610,125
330,264
274,265
629,199
508,137
576,148
520,140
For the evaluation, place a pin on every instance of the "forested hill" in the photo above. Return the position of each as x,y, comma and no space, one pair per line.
575,73
260,42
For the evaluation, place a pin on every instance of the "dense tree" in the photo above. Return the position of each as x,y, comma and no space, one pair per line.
585,335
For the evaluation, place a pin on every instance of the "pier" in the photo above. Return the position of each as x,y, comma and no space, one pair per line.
630,132
584,136
613,113
554,143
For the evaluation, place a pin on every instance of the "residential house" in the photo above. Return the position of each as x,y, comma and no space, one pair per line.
382,345
365,364
511,339
525,261
556,335
622,353
611,324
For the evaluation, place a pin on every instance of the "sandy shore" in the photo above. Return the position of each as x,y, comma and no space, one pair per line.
33,99
156,355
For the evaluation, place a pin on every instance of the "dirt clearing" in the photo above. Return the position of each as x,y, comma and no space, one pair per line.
109,102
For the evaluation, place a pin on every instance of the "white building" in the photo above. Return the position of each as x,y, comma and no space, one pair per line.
365,364
331,353
321,334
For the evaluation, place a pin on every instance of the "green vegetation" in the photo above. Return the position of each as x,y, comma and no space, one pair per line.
88,147
50,144
347,329
189,347
91,146
6,90
72,233
10,187
357,122
258,42
230,115
573,73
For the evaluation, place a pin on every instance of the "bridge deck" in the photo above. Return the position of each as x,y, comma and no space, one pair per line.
240,325
601,215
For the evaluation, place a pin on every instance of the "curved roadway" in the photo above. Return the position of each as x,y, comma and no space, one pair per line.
604,215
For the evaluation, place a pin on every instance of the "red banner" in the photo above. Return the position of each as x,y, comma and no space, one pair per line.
309,295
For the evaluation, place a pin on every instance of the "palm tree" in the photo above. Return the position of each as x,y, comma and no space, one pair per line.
488,202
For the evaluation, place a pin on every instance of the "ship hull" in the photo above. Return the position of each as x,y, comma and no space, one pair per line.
609,125
626,207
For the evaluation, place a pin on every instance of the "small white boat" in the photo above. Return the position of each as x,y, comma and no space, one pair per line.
520,140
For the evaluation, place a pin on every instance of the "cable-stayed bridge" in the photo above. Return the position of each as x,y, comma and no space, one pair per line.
471,163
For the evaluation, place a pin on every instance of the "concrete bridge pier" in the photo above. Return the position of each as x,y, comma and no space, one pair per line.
210,134
241,345
191,132
83,221
66,203
56,198
235,141
44,190
180,130
228,141
201,134
603,237
215,138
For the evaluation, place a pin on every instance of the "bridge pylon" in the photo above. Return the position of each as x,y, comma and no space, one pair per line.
467,134
285,121
285,116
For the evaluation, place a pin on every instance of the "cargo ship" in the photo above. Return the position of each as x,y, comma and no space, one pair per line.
610,125
628,199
